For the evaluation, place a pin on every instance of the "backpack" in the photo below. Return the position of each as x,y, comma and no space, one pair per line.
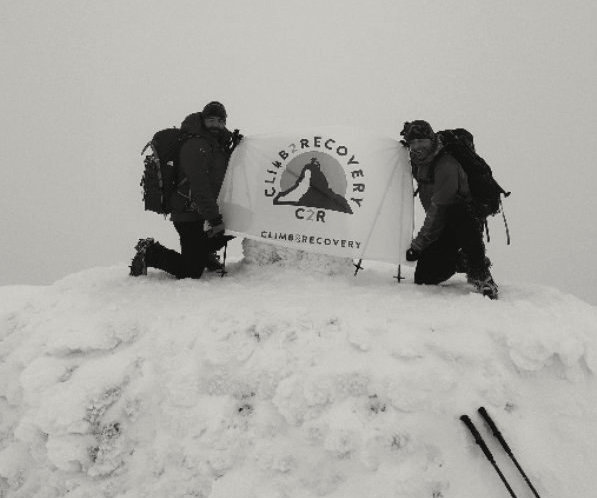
486,192
159,180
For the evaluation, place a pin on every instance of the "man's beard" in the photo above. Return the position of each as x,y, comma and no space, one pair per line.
424,156
221,135
420,156
216,132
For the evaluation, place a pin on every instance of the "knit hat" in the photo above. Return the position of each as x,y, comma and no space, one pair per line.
214,109
416,130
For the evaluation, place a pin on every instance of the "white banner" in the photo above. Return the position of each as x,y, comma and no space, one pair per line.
334,191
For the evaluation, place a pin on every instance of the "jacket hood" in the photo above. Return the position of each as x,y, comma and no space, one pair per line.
193,123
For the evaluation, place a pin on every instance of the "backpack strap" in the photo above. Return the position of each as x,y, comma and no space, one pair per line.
505,222
485,224
187,136
150,145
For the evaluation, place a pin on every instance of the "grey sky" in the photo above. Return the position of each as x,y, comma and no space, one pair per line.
85,84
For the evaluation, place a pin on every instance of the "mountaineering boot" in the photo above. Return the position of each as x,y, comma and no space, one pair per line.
138,264
486,286
213,262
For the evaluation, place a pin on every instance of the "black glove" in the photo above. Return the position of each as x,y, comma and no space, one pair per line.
216,227
237,136
235,139
412,255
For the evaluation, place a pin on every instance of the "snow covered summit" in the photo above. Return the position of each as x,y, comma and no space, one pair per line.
291,382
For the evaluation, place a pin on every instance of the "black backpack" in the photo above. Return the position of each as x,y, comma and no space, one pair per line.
159,180
486,192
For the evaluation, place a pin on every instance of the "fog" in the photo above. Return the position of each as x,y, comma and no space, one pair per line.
84,85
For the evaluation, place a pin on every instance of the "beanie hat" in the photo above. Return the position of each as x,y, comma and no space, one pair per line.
416,130
215,109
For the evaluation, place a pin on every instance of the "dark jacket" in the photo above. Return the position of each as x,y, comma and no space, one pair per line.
442,183
200,171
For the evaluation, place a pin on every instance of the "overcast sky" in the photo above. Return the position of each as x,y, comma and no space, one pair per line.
85,84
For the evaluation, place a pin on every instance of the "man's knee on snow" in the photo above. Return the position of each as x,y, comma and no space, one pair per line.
432,279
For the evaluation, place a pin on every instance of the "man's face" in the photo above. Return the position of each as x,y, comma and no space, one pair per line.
215,124
420,149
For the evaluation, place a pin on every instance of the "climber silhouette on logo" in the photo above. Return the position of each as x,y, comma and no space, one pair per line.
311,189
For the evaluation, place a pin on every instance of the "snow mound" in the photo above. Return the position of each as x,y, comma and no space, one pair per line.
288,381
264,254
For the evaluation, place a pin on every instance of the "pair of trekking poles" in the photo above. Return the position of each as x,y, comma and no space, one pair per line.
498,435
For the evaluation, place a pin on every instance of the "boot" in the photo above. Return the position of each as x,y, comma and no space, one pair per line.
485,286
138,264
213,262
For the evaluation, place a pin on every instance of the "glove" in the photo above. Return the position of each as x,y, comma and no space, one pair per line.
412,255
216,227
235,139
237,136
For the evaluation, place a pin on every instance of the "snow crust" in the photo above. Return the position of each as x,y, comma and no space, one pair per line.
290,378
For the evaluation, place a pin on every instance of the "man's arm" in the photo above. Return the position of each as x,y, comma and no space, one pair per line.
444,195
194,161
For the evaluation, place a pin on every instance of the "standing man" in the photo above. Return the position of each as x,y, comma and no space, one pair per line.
200,171
451,229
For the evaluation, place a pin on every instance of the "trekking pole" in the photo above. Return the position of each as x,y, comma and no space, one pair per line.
357,267
223,270
498,435
479,440
399,276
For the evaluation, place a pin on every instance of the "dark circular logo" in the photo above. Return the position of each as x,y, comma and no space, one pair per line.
314,179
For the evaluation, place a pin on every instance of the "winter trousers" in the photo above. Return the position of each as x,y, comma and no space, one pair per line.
462,237
195,247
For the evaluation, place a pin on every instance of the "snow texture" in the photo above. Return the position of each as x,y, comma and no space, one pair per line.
290,378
